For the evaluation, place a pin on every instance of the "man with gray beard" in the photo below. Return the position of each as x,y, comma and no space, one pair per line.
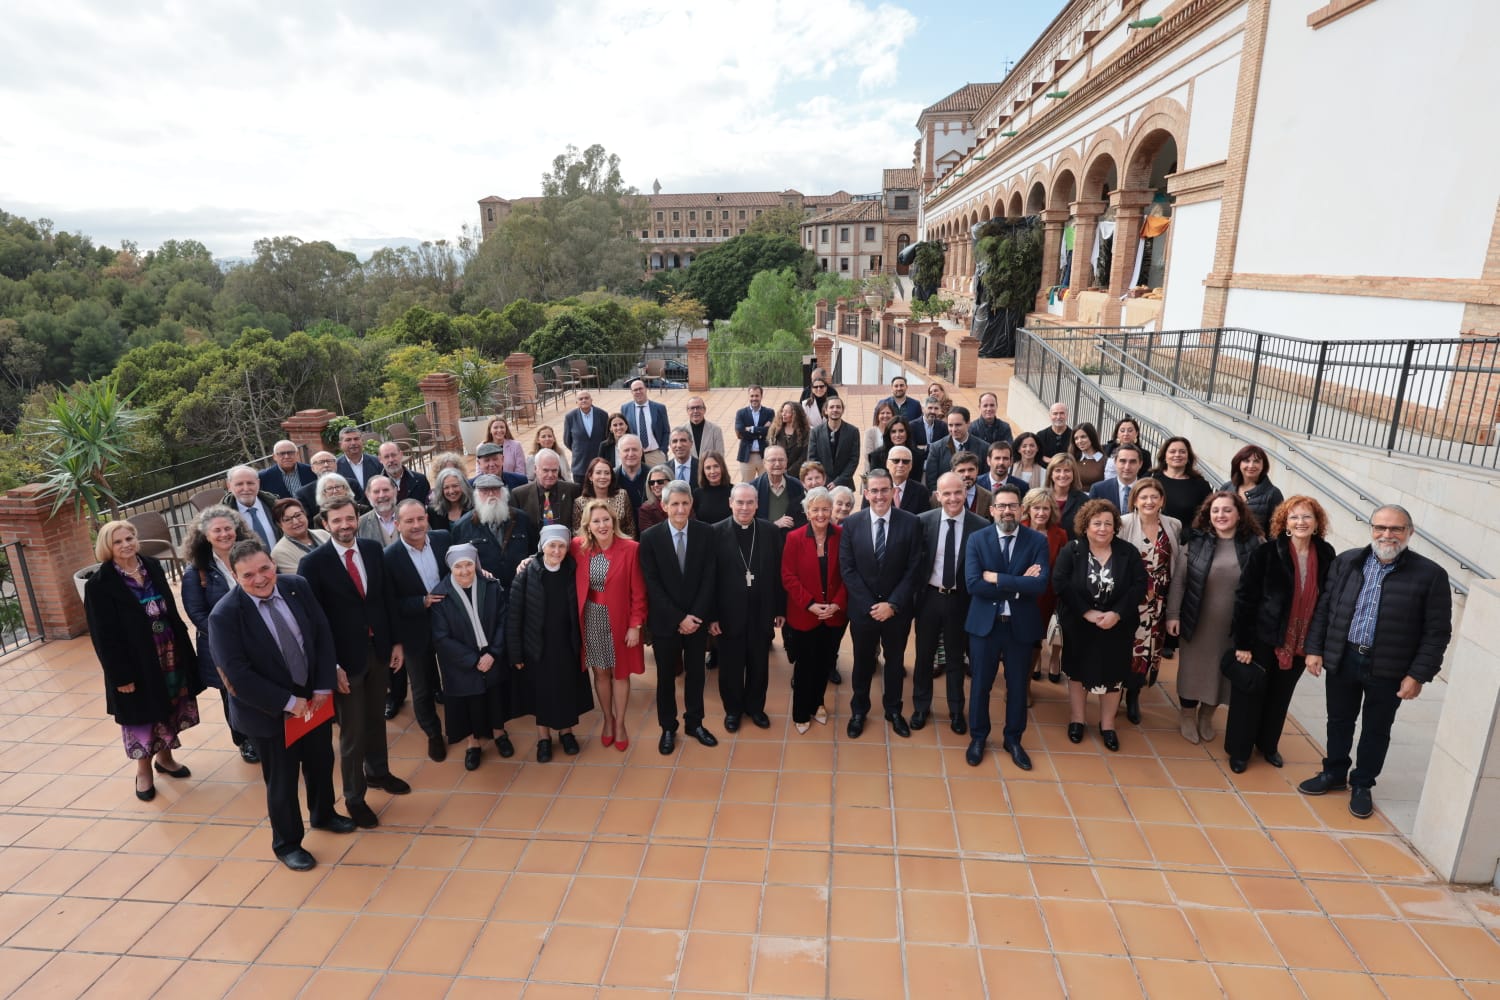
1383,620
502,534
379,524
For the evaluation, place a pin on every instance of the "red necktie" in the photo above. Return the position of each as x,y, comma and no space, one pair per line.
349,564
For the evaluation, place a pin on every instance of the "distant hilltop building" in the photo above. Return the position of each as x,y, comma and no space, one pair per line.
678,227
865,236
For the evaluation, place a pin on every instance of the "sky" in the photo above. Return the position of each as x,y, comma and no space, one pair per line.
383,122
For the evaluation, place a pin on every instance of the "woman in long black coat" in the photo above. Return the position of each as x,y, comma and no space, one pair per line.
544,642
468,634
150,670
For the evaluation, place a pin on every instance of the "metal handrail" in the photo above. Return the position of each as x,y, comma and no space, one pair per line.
1150,376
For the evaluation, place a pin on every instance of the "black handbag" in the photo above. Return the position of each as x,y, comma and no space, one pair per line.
1247,677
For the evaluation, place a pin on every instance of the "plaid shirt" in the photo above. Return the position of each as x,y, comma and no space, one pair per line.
1367,605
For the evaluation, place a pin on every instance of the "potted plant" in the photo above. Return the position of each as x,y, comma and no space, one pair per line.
878,289
86,434
476,379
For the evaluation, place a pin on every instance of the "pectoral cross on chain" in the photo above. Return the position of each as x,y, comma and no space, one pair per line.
749,578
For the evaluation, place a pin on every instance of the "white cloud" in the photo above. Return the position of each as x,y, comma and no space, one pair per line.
346,121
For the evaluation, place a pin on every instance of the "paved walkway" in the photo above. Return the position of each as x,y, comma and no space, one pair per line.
774,865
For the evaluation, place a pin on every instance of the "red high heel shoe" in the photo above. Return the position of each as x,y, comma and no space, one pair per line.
622,744
607,739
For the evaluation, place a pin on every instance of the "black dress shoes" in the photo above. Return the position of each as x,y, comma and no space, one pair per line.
437,748
761,720
1075,732
543,751
1111,739
974,756
248,753
958,724
856,726
1019,755
363,815
1273,758
898,724
298,860
918,720
180,771
1238,766
570,744
388,783
732,723
504,745
471,758
667,743
703,736
338,824
391,708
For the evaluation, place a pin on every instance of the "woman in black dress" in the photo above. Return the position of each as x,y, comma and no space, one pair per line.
150,671
618,428
711,498
1100,582
543,639
1177,470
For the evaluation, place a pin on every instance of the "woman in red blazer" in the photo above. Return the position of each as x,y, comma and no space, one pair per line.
1039,511
816,605
611,611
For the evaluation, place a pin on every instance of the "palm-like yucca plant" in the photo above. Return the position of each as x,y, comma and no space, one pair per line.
476,378
86,435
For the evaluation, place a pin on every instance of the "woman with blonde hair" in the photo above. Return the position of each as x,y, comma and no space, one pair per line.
1063,484
612,611
1039,512
546,437
1157,537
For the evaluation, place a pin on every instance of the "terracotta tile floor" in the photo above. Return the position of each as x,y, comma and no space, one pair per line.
774,865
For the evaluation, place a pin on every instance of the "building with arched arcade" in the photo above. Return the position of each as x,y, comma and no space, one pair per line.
1313,169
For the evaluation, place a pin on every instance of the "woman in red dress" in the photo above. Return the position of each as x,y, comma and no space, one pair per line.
611,611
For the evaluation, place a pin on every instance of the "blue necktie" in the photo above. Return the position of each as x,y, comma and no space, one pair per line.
880,539
258,526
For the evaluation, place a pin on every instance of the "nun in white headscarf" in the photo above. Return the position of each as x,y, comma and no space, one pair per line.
468,632
543,639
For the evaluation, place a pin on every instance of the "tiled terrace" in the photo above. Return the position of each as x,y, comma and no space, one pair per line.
774,865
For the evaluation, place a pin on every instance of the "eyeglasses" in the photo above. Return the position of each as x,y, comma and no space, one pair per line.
820,385
658,482
1005,506
899,461
1388,529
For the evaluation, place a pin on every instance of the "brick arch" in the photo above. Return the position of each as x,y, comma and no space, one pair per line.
1017,205
1036,197
1105,151
1039,175
1068,166
984,213
1161,115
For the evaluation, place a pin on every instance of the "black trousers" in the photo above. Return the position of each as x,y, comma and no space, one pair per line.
1256,718
1355,695
871,637
940,617
361,718
678,654
312,758
422,675
744,670
238,737
817,652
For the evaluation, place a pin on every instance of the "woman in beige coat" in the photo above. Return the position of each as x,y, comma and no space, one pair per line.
1156,536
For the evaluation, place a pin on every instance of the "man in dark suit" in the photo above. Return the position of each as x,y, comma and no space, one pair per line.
835,445
990,427
778,496
410,485
584,430
977,499
943,601
681,461
880,557
910,495
286,475
1056,437
1127,469
750,604
940,455
354,465
501,534
648,421
347,575
275,653
416,564
1000,455
631,473
751,423
677,559
927,432
246,499
1006,570
549,500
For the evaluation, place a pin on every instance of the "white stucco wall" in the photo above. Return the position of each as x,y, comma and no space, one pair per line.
1211,114
1195,229
1373,151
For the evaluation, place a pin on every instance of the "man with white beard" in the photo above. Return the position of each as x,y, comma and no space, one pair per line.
379,525
1383,619
502,534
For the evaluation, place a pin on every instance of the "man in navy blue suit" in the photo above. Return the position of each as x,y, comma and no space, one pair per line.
274,651
417,561
1006,570
1000,456
648,421
750,425
880,557
354,465
584,430
1117,490
286,475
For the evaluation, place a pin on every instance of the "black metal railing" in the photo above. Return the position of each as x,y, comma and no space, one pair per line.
1431,399
20,621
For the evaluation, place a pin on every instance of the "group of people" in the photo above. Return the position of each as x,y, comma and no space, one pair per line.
330,590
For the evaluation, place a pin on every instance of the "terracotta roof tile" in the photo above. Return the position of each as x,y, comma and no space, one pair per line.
969,97
898,177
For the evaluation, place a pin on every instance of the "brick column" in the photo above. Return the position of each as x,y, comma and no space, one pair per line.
937,339
305,429
697,354
522,370
1053,222
1087,214
54,549
1128,208
440,396
840,310
966,370
823,351
820,317
865,313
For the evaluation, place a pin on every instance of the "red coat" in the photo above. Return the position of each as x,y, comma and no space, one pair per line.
804,583
1047,603
624,594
